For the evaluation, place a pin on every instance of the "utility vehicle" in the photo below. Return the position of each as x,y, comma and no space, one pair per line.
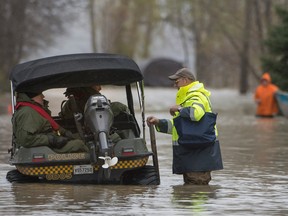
124,162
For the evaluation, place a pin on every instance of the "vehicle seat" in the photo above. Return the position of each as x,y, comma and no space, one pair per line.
126,125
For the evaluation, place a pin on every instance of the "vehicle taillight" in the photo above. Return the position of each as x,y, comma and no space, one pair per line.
128,151
38,157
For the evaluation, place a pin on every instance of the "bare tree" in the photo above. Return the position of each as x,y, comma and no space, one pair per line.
245,49
27,26
228,37
93,25
123,26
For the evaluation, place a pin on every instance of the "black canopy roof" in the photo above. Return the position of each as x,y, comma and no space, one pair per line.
74,70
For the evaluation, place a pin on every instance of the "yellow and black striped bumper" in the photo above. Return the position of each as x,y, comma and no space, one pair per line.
61,172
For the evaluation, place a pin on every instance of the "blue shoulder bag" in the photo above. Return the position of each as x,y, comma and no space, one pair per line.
196,134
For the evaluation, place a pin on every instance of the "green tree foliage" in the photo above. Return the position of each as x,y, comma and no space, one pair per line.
276,62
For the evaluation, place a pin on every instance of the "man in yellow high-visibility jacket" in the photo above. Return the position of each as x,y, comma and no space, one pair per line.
192,101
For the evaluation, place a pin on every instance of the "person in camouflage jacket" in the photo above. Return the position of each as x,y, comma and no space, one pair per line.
32,128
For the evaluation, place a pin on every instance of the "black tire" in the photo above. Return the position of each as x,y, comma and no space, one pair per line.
16,176
143,176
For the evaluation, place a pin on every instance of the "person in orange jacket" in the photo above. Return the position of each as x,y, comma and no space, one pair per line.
265,97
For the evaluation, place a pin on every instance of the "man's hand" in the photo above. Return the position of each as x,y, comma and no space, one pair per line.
174,109
151,120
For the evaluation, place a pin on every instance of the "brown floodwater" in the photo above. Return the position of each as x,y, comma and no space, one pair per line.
253,181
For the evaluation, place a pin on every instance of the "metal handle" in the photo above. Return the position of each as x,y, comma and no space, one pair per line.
154,150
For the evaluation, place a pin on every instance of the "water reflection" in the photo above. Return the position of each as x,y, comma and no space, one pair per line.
193,197
76,198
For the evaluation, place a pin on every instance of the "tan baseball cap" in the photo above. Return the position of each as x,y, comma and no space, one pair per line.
184,72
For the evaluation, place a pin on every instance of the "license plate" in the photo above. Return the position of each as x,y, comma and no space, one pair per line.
83,169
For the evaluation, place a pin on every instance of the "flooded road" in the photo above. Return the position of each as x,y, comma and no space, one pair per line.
253,182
